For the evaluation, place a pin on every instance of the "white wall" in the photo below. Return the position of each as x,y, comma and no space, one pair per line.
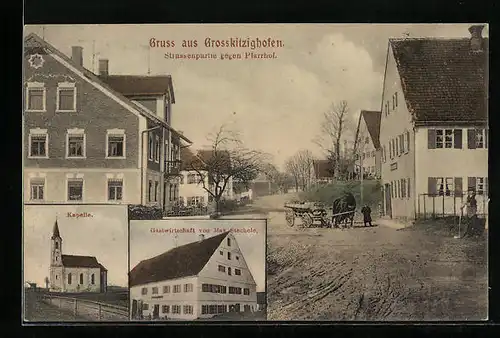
192,190
398,121
75,285
447,162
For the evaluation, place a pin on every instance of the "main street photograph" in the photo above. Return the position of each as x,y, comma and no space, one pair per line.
365,146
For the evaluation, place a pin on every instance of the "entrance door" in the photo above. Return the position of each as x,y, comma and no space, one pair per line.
388,208
156,311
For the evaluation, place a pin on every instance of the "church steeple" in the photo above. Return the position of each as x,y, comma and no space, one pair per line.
55,231
56,247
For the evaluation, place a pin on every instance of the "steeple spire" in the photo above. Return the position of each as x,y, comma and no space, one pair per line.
55,231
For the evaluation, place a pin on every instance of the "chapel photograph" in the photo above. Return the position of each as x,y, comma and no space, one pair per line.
198,270
75,263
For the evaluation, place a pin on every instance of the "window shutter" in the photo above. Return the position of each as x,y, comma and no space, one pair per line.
471,183
431,186
486,138
401,144
457,137
458,186
471,139
407,141
486,186
409,188
431,139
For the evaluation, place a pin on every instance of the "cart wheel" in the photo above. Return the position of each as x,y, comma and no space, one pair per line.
307,220
290,218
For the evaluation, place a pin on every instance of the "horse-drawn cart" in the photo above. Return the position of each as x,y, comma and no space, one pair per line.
311,213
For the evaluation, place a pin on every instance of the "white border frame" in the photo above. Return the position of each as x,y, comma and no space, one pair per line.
65,86
120,132
38,86
38,131
76,132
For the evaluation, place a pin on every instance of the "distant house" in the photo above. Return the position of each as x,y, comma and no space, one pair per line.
369,151
262,186
192,175
323,171
197,280
71,273
434,126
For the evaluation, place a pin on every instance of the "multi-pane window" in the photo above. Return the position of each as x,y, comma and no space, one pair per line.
166,289
234,290
188,287
237,272
92,279
75,189
176,309
144,291
156,191
145,306
116,145
229,243
229,255
76,145
477,138
165,308
157,148
221,252
213,288
194,178
81,278
187,309
38,145
115,189
229,271
35,98
66,98
154,290
195,200
37,187
448,138
150,191
222,268
444,138
151,146
246,291
177,288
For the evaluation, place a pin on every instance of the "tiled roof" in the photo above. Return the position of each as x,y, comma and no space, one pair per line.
372,121
33,43
71,261
322,169
183,261
138,85
443,79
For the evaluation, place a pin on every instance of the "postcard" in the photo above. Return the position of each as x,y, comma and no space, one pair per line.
357,153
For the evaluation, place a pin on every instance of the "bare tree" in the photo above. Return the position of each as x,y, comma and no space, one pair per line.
334,125
300,166
277,178
227,160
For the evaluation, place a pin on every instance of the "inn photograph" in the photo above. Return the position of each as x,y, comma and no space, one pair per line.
197,269
75,259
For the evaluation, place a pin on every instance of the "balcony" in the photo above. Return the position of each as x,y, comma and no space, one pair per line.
172,168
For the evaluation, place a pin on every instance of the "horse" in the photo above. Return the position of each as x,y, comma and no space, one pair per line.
344,204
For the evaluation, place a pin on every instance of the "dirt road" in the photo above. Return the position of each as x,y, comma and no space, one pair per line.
377,273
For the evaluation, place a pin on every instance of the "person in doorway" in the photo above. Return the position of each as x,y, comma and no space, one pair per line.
367,217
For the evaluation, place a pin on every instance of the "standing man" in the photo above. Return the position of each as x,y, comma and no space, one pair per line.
367,217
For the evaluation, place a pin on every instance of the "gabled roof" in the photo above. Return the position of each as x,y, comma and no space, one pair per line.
322,168
72,261
183,261
33,43
137,85
372,120
443,79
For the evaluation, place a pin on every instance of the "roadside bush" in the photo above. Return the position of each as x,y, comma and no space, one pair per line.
328,193
142,212
227,205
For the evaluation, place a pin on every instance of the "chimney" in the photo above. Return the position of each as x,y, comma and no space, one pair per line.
77,55
476,37
103,67
201,237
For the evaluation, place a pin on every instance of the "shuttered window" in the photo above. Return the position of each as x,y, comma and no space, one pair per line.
457,138
432,186
471,183
458,186
471,138
409,188
431,138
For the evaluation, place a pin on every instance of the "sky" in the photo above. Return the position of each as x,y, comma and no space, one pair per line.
144,244
104,236
276,105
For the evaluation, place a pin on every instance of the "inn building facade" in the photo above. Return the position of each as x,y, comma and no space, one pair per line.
198,280
96,138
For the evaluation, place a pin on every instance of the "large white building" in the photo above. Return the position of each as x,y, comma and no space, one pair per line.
434,125
197,280
70,273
